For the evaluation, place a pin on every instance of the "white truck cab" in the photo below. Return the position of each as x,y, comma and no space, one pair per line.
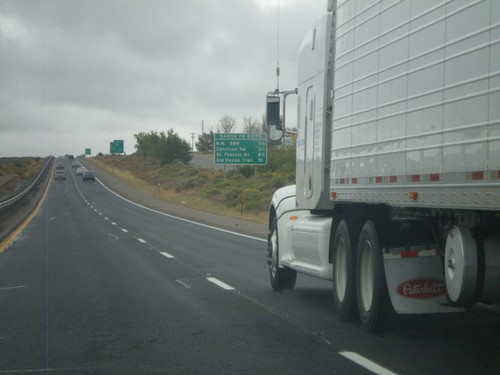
397,195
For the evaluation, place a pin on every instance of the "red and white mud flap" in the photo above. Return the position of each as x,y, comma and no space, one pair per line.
415,280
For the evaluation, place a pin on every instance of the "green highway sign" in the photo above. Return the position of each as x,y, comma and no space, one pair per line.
87,151
116,147
240,148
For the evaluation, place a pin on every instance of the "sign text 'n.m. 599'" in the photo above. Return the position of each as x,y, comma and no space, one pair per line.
240,148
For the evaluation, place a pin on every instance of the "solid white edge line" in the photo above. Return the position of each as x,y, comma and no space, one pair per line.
166,255
219,283
180,218
366,363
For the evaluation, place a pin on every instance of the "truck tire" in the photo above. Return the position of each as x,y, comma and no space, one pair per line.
281,277
371,288
344,272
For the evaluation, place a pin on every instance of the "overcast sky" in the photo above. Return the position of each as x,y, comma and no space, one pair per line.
78,74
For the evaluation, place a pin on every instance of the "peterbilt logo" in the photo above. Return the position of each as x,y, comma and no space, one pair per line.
421,288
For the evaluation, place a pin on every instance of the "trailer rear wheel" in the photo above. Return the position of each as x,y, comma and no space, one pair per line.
461,266
281,277
371,288
344,267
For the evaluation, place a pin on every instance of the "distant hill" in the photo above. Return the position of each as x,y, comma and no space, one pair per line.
15,172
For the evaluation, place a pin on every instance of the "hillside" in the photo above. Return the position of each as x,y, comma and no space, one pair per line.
236,192
15,172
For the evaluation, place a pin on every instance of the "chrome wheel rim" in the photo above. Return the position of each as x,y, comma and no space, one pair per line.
366,276
341,270
274,255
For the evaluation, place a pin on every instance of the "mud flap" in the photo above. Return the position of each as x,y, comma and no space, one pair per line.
415,280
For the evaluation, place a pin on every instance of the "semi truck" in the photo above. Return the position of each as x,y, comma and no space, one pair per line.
397,194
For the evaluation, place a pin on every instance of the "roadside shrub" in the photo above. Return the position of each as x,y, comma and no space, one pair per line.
279,180
210,191
252,199
247,171
281,160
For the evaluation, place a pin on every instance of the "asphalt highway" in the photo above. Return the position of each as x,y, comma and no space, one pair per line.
98,284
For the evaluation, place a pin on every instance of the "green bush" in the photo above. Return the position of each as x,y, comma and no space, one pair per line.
247,171
252,199
210,191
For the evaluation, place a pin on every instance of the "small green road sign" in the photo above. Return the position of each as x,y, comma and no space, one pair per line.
88,151
240,148
116,147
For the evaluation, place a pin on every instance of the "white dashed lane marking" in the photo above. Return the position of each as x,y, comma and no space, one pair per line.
366,363
184,284
220,283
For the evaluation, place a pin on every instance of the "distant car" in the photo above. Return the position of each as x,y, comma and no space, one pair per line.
80,171
59,165
88,176
75,164
60,174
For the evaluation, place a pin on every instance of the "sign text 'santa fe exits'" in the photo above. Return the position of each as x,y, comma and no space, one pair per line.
240,148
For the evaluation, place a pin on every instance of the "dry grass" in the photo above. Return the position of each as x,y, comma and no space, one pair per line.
177,185
22,167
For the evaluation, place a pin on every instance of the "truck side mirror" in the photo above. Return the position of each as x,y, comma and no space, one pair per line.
273,120
273,111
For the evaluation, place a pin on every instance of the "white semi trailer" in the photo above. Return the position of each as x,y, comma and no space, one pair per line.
397,195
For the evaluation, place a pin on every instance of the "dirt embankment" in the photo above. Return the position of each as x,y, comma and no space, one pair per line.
16,173
9,185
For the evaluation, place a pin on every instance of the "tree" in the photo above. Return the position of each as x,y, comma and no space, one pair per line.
164,147
205,142
176,148
226,124
150,144
251,125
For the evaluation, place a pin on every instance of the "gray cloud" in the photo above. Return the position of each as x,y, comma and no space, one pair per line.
77,74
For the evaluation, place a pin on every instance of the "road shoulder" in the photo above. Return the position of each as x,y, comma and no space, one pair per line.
237,225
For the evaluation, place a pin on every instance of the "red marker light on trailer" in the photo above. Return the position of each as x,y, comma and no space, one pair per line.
413,195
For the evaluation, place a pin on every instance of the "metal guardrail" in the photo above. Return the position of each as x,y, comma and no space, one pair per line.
10,201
